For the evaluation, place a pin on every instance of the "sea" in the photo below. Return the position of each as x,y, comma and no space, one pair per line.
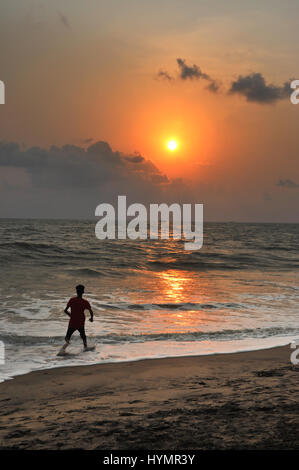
151,298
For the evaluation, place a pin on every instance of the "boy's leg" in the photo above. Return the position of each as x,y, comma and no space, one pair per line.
83,336
68,335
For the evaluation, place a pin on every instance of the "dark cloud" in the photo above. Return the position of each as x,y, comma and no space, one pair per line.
193,72
190,72
164,75
72,180
252,86
134,159
290,184
213,86
101,152
64,20
159,179
68,165
87,141
255,89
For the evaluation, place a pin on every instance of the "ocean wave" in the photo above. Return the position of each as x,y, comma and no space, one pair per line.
31,246
224,335
87,272
214,261
31,252
72,246
184,306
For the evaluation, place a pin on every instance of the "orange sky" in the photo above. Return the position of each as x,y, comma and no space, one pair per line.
93,76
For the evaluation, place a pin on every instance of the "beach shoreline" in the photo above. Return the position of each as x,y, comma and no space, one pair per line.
101,355
243,400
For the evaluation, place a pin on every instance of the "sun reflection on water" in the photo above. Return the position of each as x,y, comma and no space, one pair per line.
174,285
183,287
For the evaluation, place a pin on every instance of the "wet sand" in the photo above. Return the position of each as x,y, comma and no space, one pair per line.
230,401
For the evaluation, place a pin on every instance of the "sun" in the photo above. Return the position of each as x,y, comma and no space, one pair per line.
172,145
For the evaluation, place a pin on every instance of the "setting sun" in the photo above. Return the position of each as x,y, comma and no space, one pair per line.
172,145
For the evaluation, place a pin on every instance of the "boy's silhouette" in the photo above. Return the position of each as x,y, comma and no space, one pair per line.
77,317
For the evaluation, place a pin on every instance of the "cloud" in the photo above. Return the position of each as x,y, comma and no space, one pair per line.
213,86
255,89
64,20
187,72
190,72
195,72
135,159
164,75
70,181
290,184
159,179
252,86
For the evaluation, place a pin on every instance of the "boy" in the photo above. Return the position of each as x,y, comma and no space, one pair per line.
77,318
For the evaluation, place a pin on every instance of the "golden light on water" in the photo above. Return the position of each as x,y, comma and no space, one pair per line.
179,287
174,285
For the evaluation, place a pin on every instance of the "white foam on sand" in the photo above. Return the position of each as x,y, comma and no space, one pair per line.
39,357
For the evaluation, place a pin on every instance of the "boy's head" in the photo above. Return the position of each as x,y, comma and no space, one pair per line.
80,290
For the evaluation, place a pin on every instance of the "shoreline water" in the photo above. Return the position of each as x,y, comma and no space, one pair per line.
230,401
76,357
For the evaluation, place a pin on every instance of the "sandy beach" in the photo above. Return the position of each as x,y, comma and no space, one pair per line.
245,400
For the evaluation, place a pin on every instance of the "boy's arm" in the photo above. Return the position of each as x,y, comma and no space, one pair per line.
66,310
91,314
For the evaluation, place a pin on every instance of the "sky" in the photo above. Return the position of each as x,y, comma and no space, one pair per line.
95,89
